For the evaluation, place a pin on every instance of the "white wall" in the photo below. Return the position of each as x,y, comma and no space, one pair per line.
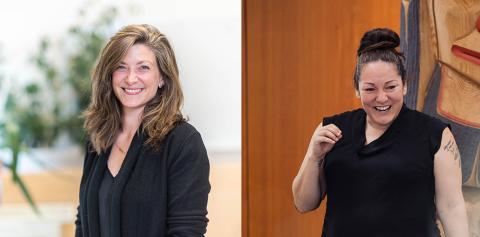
206,36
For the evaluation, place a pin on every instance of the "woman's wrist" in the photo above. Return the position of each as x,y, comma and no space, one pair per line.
318,159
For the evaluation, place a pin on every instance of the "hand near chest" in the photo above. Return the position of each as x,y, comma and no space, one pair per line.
323,140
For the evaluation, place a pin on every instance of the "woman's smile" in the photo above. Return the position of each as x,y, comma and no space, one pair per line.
132,91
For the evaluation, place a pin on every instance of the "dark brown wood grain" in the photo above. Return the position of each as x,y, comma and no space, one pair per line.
298,61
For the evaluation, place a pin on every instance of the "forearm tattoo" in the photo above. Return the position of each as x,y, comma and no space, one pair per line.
452,148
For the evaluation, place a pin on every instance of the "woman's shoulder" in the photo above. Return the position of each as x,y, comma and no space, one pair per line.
184,144
423,120
181,133
345,117
431,126
182,129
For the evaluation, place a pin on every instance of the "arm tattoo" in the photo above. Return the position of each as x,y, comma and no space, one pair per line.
320,163
452,148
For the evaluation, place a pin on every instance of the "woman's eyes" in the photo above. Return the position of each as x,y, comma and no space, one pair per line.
391,87
144,67
388,88
121,67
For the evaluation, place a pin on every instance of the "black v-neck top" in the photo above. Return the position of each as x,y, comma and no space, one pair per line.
104,200
156,193
387,187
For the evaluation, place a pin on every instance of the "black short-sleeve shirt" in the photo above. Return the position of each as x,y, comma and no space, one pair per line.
387,187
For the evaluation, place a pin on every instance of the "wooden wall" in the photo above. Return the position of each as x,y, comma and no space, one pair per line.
298,60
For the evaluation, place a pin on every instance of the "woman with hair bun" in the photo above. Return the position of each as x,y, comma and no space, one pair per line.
146,169
387,170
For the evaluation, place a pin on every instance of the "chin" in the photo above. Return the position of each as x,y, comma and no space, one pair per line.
132,105
384,120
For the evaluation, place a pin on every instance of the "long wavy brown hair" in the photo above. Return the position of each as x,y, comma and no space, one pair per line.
103,115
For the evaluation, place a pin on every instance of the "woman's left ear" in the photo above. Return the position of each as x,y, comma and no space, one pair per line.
160,85
405,89
357,93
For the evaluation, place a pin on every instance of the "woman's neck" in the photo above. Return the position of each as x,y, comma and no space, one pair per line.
375,126
373,131
131,120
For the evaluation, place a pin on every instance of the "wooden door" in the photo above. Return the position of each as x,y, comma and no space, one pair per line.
298,61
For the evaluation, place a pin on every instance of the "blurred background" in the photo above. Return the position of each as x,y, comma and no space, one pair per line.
47,51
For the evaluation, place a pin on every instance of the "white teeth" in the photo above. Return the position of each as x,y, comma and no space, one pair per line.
133,91
383,108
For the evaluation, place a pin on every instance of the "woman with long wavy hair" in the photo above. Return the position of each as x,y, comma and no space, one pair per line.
146,169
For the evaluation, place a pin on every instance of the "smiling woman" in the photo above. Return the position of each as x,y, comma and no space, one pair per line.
381,92
387,170
137,78
146,169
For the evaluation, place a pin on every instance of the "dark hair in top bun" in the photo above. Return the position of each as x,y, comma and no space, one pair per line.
379,45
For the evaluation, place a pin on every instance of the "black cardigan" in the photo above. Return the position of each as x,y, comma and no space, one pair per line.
161,193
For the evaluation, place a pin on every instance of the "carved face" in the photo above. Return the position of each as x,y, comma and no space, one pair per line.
458,35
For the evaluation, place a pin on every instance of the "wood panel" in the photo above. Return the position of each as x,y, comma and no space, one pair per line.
298,60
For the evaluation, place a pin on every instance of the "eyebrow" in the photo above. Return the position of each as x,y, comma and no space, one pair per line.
390,81
370,83
143,61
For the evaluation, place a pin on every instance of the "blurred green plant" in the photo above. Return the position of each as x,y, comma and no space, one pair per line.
38,114
64,115
12,138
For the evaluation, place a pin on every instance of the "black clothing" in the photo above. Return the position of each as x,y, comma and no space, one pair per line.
387,187
104,199
156,193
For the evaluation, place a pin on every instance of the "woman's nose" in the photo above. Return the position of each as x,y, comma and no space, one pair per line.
131,77
382,97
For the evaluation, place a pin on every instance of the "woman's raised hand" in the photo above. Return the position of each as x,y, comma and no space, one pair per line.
322,141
